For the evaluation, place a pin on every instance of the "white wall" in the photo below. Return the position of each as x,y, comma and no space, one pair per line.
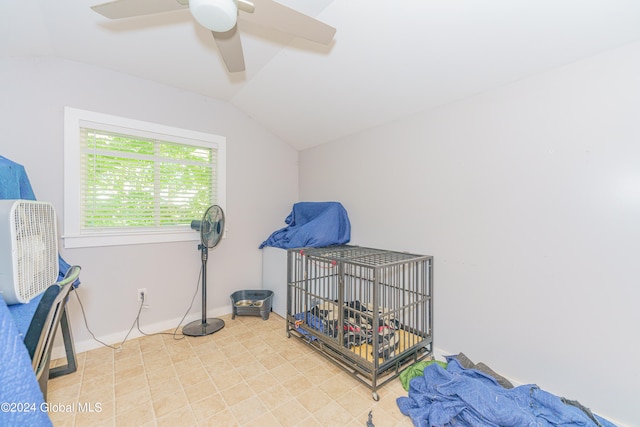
529,199
261,185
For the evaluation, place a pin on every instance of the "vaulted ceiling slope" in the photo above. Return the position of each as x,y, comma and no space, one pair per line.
389,59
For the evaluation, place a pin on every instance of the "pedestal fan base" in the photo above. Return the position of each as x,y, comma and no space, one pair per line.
199,329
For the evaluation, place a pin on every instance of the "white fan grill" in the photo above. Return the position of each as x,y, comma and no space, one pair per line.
29,259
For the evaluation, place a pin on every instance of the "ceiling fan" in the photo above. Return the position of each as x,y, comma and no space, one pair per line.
220,16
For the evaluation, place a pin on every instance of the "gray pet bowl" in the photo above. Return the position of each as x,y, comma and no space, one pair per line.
251,303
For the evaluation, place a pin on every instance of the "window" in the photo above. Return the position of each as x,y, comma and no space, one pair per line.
129,182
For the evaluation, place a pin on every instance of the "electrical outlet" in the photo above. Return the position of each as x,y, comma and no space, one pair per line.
142,292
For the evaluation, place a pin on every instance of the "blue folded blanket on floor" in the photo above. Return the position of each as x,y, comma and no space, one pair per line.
312,224
467,397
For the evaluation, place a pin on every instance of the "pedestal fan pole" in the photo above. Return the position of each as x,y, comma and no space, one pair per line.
199,328
205,255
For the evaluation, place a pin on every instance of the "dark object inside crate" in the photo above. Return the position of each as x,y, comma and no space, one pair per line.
251,303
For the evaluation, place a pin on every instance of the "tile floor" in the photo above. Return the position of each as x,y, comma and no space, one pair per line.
247,374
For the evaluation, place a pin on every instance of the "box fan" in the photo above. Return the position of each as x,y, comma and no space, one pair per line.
28,249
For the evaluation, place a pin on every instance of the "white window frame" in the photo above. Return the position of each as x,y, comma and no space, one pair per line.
74,119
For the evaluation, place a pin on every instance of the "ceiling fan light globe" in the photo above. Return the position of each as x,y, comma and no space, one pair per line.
216,15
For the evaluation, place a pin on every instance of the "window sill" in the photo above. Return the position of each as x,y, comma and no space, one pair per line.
89,241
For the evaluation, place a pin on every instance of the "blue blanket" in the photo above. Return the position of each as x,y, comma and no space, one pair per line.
20,395
314,321
312,224
467,397
23,314
15,184
19,389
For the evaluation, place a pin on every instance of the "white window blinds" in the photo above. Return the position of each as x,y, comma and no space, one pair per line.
133,182
129,182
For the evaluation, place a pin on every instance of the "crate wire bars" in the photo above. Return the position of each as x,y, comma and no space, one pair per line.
367,310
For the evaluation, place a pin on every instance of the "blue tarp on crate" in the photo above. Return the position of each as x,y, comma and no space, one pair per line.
312,224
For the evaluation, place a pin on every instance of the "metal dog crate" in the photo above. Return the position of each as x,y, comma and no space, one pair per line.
367,310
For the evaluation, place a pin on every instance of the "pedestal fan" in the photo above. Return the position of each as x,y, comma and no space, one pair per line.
211,228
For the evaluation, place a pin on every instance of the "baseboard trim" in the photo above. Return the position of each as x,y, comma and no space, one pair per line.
116,338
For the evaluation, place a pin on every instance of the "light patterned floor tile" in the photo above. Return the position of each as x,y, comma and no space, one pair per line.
247,374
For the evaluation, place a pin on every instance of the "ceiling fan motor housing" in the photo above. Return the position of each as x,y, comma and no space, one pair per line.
216,15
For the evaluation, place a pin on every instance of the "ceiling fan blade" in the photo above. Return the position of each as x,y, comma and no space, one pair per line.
127,8
230,47
272,14
246,5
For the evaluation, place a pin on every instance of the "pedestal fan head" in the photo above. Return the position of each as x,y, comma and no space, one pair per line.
211,227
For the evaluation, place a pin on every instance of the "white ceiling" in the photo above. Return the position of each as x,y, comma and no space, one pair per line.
389,59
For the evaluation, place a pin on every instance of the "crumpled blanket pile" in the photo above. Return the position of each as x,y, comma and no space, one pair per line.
456,396
312,224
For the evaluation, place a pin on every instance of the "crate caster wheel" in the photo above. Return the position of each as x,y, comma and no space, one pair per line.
288,334
375,396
